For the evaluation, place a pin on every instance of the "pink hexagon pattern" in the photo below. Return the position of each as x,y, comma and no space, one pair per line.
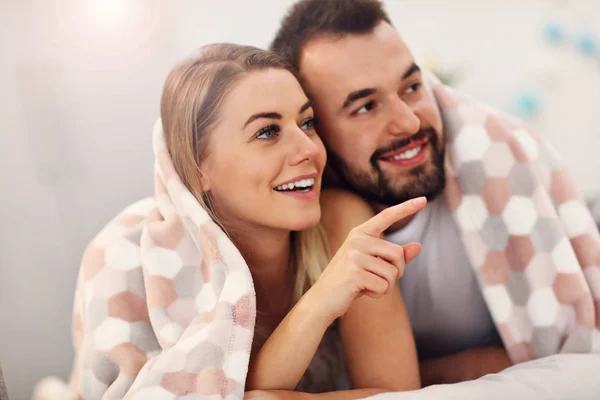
539,269
180,319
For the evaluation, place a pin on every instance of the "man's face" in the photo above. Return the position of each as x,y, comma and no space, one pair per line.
382,130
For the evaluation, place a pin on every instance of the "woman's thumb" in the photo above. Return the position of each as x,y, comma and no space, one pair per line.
411,251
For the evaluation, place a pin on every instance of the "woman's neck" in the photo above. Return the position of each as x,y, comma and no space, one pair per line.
268,253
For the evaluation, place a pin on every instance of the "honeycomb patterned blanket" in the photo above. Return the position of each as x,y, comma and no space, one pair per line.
165,304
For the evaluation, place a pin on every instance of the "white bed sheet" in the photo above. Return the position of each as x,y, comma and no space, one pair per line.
559,377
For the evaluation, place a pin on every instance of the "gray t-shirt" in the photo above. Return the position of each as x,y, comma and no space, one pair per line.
444,303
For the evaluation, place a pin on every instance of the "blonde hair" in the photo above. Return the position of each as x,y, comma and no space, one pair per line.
191,99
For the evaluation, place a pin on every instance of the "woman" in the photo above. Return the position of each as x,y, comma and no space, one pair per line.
240,133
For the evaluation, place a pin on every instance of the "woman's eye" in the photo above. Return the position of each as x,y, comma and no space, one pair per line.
413,88
308,124
366,108
268,132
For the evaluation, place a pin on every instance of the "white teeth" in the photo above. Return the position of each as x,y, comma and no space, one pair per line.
408,154
300,184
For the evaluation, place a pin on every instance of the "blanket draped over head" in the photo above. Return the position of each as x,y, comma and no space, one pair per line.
165,304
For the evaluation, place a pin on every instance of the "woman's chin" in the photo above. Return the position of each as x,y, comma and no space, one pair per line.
304,222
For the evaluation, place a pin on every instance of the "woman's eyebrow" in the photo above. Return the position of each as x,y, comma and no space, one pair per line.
266,115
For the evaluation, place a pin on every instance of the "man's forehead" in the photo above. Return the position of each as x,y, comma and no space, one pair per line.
345,62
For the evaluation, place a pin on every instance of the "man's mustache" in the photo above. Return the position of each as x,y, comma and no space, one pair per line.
425,133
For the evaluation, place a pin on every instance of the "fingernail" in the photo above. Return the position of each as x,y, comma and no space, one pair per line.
419,201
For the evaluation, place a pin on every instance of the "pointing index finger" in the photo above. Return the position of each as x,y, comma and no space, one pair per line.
386,218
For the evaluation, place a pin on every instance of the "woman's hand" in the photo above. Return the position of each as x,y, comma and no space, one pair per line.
365,264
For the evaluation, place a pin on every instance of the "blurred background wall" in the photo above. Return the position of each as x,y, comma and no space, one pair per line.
80,84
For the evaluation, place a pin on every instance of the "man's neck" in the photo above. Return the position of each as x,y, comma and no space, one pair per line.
331,179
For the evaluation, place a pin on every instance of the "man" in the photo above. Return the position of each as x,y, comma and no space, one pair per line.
386,142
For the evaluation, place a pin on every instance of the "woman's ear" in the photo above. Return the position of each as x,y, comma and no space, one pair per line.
204,182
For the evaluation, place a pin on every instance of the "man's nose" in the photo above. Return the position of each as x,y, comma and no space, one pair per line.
402,119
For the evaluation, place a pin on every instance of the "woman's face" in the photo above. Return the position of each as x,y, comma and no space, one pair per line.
265,160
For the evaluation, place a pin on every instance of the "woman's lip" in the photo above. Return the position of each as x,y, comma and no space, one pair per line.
411,146
310,195
298,178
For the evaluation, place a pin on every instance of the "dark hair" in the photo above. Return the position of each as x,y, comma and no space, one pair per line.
308,19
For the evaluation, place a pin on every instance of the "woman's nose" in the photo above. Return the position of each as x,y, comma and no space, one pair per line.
303,147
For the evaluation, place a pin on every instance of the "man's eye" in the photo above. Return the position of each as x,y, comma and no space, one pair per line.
366,108
268,132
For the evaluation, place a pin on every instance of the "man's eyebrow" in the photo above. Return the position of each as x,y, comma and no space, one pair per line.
411,70
362,93
267,115
357,95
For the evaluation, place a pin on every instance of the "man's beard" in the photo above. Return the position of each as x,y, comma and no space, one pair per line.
424,180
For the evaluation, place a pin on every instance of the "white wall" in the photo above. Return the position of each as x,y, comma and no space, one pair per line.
78,107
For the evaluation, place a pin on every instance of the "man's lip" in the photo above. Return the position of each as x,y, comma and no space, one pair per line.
307,176
410,146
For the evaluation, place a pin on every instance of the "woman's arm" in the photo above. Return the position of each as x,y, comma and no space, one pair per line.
287,353
363,265
289,395
376,334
